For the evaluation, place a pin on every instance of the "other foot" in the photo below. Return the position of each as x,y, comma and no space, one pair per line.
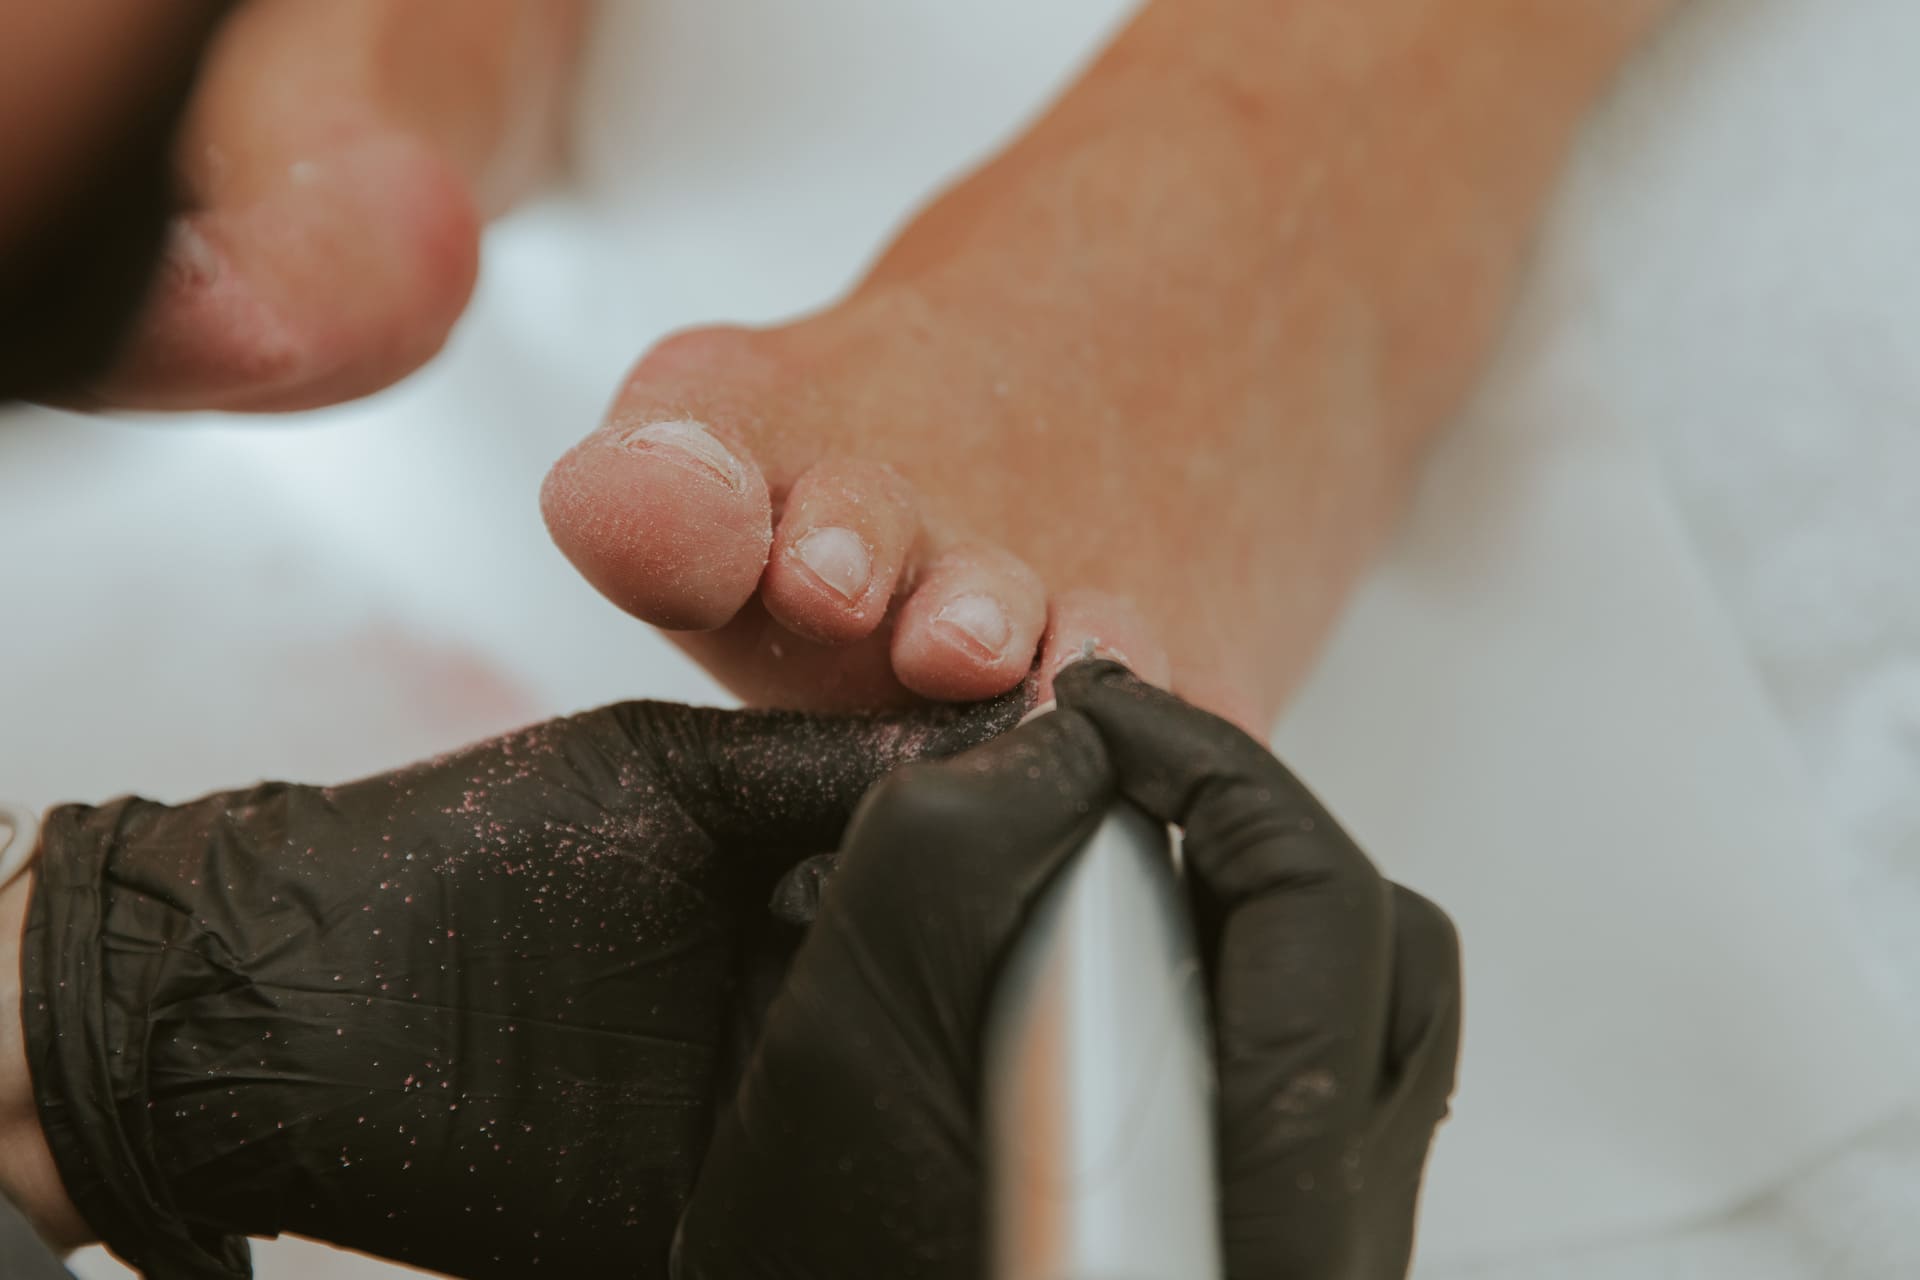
336,166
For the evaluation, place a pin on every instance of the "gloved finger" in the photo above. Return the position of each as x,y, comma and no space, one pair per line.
942,862
1303,967
1252,828
860,1094
1422,1048
1423,1032
1423,1036
783,784
1190,767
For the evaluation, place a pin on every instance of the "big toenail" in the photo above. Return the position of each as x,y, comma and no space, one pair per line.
691,444
978,622
838,558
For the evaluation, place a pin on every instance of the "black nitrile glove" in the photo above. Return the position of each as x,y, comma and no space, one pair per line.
852,1149
471,1015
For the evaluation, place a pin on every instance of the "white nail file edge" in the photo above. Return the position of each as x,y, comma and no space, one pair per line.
1099,1104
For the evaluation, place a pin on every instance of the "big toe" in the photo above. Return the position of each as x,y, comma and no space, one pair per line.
334,282
668,521
335,165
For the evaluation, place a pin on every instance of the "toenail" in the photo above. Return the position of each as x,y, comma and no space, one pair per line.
692,444
1037,710
1091,648
979,622
838,558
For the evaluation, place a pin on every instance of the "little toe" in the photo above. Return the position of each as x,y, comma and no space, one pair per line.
970,628
669,522
1101,625
844,535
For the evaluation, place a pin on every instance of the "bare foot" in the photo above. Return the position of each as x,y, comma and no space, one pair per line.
1180,347
338,161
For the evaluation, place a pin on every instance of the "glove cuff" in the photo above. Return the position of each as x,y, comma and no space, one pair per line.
87,1049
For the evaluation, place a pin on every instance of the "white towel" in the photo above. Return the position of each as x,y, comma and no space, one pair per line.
1738,245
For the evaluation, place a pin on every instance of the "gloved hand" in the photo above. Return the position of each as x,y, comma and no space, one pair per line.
852,1147
470,1015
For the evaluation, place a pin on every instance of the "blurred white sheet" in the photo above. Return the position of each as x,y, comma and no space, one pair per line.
1543,709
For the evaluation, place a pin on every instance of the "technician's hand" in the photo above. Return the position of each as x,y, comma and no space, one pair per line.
852,1147
471,1015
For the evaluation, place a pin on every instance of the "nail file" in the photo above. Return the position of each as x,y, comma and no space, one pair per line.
1098,1099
